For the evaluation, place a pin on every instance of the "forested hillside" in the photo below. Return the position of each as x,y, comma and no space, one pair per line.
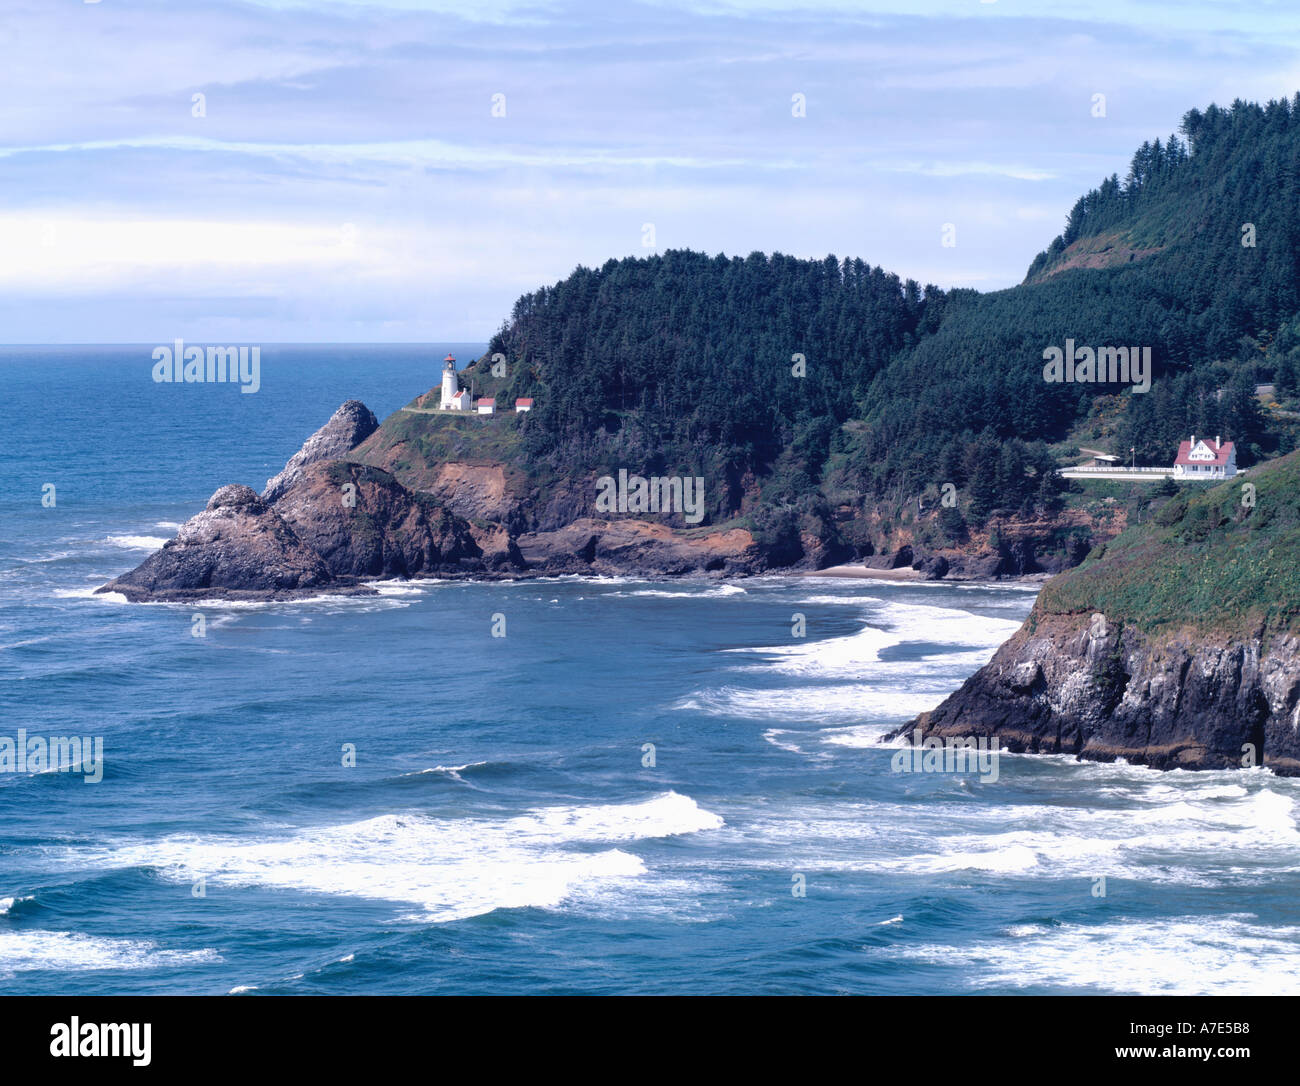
687,363
706,364
1202,298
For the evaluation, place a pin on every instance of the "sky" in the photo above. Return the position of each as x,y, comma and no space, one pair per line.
250,171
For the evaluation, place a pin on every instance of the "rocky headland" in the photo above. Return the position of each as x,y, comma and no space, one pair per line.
1175,646
329,522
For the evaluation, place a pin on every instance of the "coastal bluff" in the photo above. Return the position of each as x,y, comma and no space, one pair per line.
333,520
323,524
1175,646
1179,700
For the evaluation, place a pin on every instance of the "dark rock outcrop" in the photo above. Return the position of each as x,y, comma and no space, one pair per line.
935,567
898,560
364,523
324,524
1080,685
592,545
350,425
237,543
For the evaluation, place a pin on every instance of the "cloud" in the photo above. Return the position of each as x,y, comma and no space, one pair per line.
380,115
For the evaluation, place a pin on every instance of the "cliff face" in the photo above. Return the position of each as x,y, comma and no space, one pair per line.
1076,684
597,546
237,543
328,522
1014,547
323,524
350,425
481,470
1177,645
364,523
549,524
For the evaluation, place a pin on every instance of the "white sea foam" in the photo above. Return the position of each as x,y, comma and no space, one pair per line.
777,737
89,594
402,587
843,701
57,556
452,771
67,951
1187,955
137,542
172,525
1171,829
858,655
449,868
945,625
830,656
836,601
1031,588
714,592
869,735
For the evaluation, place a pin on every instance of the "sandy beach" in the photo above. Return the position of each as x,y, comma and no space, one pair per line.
904,573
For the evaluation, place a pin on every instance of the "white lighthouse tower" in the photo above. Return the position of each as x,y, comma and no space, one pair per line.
453,397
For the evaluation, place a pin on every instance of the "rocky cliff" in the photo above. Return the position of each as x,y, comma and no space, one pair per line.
329,522
322,524
349,426
1178,700
481,469
1176,646
238,544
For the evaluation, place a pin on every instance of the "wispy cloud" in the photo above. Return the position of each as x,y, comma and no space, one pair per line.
394,169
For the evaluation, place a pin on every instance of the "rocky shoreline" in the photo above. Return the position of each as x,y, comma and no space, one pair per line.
1081,685
330,522
1065,683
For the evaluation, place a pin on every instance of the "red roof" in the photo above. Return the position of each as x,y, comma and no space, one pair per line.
450,358
524,403
487,403
1222,452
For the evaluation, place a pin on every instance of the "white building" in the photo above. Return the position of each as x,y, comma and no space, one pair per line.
523,405
1205,459
486,406
454,398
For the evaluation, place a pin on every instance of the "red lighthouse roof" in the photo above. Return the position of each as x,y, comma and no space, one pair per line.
449,358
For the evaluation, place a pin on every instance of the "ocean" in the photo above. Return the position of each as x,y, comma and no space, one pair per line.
643,787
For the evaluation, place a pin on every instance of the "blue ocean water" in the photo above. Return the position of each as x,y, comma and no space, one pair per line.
501,830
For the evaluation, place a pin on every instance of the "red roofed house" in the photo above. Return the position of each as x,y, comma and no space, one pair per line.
523,405
1205,459
486,406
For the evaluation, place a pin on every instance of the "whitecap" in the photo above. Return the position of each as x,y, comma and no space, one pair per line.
451,868
1185,955
67,951
137,542
842,701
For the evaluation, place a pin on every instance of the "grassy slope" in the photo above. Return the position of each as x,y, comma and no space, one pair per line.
413,445
1204,560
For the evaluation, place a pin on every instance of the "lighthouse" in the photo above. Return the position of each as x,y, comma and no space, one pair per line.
453,399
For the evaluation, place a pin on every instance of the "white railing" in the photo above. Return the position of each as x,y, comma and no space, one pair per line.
1118,469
